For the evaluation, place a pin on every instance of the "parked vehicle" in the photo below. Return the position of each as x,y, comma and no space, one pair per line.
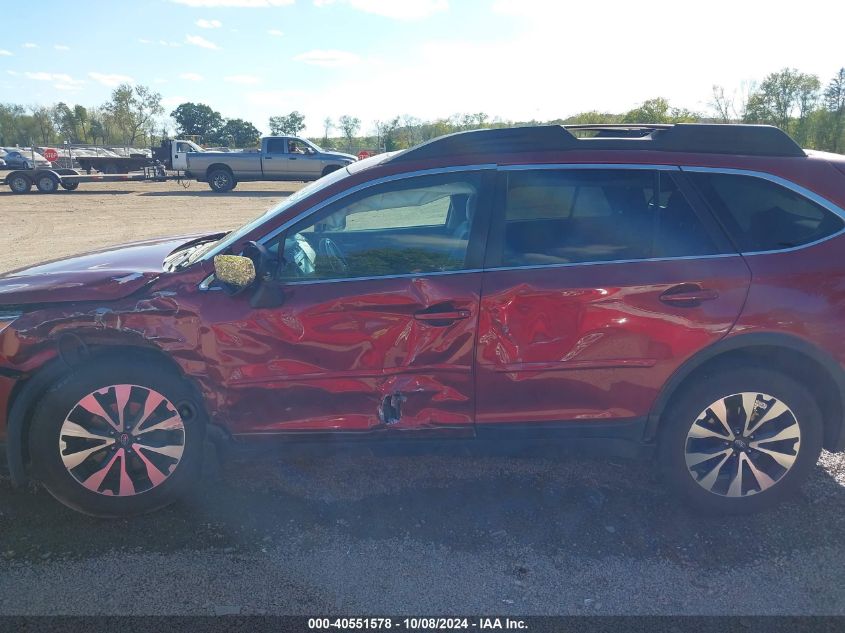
666,292
280,158
21,159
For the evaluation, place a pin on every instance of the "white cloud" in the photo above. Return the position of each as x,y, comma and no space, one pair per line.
143,41
251,4
111,80
191,76
396,9
60,81
246,80
5,53
30,45
13,73
61,47
200,41
170,44
328,58
209,24
275,32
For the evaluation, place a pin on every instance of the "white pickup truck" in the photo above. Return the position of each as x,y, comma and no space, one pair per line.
280,158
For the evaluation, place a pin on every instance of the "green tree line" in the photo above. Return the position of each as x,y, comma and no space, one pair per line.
811,111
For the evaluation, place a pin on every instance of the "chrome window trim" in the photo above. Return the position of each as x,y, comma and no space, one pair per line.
612,261
436,273
575,166
366,185
787,184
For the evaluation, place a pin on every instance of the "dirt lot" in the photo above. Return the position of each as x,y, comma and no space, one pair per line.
39,226
413,534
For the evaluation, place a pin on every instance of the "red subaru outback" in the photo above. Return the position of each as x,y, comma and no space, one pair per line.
667,291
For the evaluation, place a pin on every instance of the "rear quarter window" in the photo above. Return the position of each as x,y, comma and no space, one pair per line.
761,215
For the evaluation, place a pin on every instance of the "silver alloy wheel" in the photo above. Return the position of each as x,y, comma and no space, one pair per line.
122,440
222,180
742,444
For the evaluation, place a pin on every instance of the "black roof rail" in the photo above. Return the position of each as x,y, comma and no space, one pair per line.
708,138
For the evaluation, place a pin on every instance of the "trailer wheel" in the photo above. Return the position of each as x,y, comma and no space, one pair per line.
221,180
69,186
47,183
19,183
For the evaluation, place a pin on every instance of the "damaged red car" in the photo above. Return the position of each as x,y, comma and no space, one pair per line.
669,292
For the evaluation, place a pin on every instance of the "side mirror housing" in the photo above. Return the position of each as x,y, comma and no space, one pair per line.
234,272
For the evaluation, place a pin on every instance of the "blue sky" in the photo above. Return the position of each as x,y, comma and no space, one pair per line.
375,59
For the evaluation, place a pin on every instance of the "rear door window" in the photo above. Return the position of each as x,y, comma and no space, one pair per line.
578,216
761,215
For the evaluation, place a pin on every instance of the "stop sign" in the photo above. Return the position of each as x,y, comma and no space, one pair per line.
51,155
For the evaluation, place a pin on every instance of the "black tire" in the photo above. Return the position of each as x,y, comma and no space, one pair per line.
109,168
70,186
47,183
221,180
330,169
696,398
19,183
63,400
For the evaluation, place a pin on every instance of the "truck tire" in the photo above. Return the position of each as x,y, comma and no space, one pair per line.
47,183
19,183
330,169
69,186
221,180
109,168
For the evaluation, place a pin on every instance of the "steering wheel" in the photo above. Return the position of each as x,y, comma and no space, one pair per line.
331,251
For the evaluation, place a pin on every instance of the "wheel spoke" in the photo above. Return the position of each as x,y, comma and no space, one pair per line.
784,459
96,480
121,394
73,460
792,432
735,489
694,459
172,423
154,474
776,410
92,406
170,451
762,478
711,477
71,429
749,399
126,485
702,432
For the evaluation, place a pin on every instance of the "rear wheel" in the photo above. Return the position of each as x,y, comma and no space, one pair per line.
221,180
19,183
70,186
741,441
118,438
47,183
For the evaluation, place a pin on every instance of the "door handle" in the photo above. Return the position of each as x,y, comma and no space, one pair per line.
268,158
291,157
688,295
448,316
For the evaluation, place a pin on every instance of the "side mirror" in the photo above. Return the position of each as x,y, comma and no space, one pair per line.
236,273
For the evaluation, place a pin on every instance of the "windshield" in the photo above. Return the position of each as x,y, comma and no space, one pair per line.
216,248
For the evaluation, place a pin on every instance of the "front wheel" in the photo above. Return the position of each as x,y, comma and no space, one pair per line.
221,180
741,441
118,438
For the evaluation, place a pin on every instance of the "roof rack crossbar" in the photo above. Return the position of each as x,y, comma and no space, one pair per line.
709,138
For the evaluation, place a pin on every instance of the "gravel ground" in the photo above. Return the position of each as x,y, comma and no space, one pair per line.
366,534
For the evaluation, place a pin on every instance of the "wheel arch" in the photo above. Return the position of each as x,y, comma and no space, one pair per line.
214,166
71,349
807,364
